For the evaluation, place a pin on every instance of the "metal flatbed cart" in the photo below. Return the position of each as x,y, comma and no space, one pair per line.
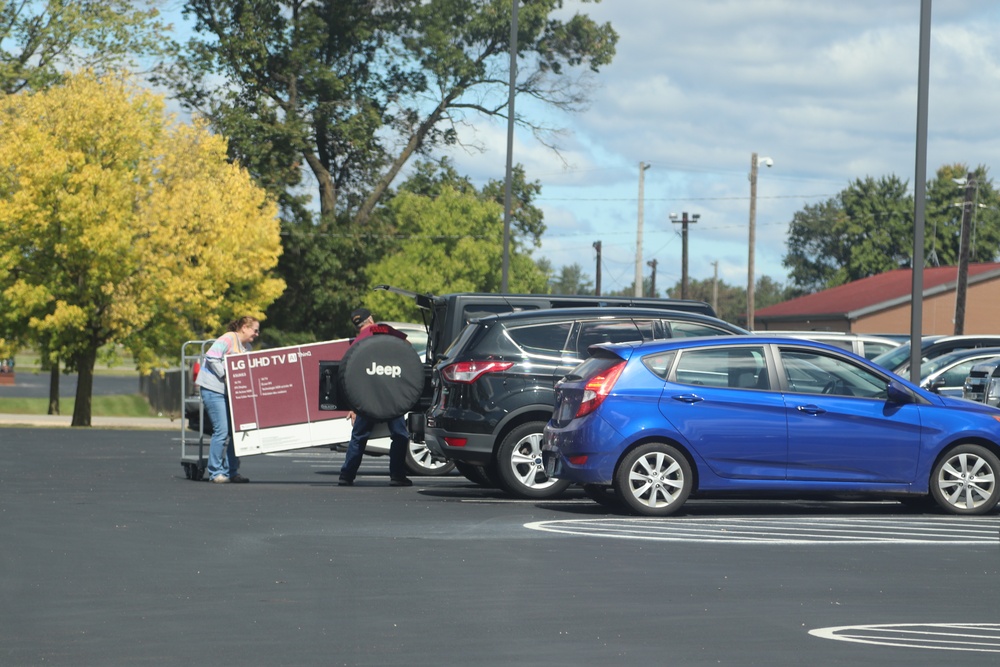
196,431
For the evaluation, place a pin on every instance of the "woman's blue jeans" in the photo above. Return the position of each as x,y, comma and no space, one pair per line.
222,458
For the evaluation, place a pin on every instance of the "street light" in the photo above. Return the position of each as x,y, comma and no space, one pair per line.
683,219
754,162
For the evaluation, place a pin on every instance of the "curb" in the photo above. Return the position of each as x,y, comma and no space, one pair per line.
60,421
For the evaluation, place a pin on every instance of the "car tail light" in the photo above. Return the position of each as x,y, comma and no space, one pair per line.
455,442
466,372
598,388
577,460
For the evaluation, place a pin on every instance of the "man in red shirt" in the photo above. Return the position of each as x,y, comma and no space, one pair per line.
363,424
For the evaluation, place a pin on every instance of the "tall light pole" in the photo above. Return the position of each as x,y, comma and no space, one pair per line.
683,219
768,162
507,190
638,240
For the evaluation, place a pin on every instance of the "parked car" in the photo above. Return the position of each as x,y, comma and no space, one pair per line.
660,422
446,316
983,383
946,375
898,359
863,345
493,388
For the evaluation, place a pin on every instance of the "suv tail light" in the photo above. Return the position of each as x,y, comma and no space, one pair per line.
467,372
598,388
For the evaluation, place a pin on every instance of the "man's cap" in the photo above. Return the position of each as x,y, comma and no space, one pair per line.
360,315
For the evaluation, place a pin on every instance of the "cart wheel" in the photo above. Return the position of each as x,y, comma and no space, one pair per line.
197,472
187,470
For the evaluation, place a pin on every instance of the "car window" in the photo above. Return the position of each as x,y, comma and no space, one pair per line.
842,343
735,368
691,329
809,372
873,349
541,339
955,376
611,331
659,363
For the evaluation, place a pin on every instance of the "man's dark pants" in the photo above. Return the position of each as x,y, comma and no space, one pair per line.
363,425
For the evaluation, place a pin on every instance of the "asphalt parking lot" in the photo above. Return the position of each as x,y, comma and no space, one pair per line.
111,557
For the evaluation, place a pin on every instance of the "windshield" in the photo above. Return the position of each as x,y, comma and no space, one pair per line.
894,357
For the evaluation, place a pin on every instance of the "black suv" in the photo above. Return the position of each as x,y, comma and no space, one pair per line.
493,389
445,316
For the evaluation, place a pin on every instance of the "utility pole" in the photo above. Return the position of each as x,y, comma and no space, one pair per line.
962,283
715,287
684,247
597,288
753,234
638,241
652,287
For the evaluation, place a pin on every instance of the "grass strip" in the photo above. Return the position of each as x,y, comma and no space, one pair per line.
120,405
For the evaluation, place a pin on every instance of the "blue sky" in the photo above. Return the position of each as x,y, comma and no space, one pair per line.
826,89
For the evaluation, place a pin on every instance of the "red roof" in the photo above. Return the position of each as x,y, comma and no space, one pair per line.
868,293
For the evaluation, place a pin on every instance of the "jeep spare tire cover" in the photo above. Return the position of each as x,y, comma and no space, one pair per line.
382,376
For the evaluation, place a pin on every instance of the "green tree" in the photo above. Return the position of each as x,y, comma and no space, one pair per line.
572,280
39,41
945,204
867,229
118,226
353,89
346,92
731,303
453,243
429,177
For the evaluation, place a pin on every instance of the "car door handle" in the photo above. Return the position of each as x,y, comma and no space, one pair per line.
688,398
811,409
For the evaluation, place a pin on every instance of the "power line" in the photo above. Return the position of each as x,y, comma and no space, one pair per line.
677,199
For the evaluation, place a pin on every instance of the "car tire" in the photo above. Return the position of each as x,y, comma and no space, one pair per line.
420,462
519,464
654,479
964,480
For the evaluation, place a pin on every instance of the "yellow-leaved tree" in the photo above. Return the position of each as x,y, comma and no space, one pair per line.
120,225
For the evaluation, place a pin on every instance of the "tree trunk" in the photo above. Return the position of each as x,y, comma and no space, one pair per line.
84,388
54,388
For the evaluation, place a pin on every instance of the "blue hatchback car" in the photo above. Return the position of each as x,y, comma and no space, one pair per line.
659,422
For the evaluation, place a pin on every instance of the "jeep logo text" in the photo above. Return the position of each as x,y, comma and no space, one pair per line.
391,371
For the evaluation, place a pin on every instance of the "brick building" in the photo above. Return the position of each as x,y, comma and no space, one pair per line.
881,304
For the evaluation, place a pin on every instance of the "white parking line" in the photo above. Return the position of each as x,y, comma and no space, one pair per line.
784,531
975,637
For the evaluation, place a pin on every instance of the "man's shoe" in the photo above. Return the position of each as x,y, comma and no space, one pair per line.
239,479
220,479
400,481
343,481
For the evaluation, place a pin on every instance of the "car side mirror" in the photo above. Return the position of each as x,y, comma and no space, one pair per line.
897,393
